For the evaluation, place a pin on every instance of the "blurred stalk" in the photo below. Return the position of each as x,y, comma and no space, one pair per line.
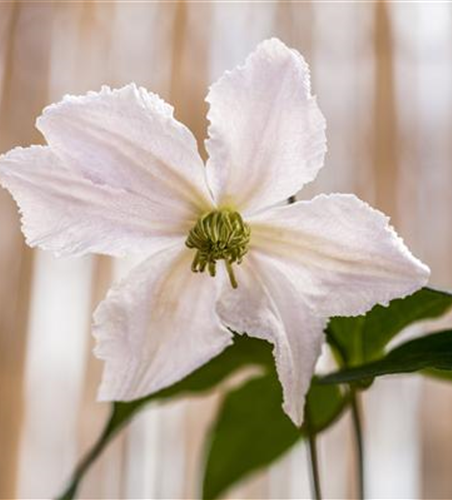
316,491
359,445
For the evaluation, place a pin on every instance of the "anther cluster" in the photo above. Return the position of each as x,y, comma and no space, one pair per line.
219,235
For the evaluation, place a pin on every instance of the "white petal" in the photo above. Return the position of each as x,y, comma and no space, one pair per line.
267,304
157,326
344,254
266,131
128,138
68,214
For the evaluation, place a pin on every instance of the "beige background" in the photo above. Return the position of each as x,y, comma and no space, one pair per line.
383,76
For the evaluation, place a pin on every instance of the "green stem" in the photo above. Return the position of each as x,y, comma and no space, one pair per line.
313,460
110,429
357,427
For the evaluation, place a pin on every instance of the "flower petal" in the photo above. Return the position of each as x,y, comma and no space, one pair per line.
68,214
266,131
157,326
344,254
267,304
128,138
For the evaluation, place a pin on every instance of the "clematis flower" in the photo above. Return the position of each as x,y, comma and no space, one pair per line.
223,250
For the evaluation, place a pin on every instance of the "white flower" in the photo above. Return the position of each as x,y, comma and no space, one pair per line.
121,175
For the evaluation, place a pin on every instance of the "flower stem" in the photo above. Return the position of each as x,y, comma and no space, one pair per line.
112,427
357,427
313,460
315,477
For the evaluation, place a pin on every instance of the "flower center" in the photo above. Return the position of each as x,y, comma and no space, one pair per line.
220,234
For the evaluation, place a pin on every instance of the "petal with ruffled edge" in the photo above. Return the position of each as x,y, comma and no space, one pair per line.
157,326
266,131
128,138
267,304
343,253
69,214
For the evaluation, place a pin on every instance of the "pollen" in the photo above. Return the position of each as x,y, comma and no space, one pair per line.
219,235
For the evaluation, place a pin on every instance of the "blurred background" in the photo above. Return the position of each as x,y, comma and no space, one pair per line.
383,76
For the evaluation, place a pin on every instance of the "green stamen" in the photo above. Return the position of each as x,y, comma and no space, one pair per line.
219,235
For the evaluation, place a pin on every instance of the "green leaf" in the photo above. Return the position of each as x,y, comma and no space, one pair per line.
432,351
252,430
245,351
362,339
445,375
323,406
